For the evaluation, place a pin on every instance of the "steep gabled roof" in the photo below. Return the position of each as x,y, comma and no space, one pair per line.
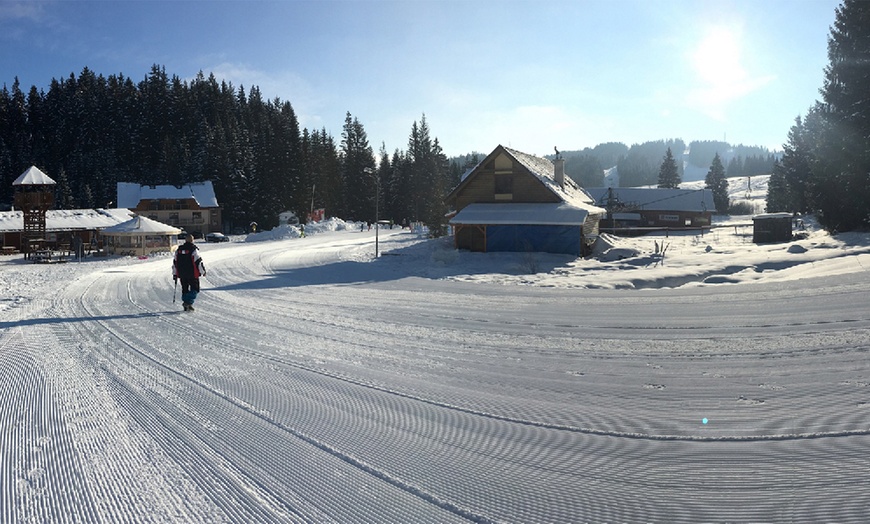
545,170
542,169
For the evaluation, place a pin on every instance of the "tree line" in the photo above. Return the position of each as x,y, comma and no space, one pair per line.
825,168
89,132
639,165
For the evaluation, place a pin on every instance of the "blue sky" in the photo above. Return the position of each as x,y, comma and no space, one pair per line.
526,74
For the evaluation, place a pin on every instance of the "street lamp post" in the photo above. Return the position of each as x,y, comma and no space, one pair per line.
369,171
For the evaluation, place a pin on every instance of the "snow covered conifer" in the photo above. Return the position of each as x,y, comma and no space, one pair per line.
842,161
669,175
718,185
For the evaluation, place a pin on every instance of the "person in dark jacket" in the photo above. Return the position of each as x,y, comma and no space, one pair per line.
188,267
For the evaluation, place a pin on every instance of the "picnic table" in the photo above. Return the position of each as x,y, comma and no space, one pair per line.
47,256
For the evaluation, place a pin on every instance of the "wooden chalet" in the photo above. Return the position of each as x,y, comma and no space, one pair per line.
33,226
513,201
191,207
646,208
65,229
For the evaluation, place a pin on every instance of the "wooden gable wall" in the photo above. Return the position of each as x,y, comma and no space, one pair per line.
524,186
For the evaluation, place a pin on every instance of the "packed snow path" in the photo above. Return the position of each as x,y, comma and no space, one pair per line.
312,385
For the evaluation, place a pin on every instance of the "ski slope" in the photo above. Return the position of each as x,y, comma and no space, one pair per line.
316,384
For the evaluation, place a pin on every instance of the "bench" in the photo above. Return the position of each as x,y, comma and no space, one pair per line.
46,256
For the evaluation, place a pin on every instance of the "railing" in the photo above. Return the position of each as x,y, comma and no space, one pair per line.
190,222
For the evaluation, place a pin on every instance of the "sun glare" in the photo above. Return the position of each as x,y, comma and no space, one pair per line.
721,76
717,57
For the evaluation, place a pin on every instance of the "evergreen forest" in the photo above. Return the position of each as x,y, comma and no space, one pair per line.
89,132
825,167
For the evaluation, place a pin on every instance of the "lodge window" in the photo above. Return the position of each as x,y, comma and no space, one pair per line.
504,187
173,218
197,217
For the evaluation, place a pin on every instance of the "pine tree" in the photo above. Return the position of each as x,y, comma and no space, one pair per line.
356,157
778,197
842,160
322,162
436,208
63,193
796,169
640,166
669,175
385,170
718,185
419,145
427,174
399,188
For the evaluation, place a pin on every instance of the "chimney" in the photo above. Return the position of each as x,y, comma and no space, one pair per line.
559,171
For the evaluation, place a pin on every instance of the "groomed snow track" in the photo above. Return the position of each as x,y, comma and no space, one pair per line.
299,392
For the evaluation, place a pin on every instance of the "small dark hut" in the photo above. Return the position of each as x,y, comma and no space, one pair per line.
771,228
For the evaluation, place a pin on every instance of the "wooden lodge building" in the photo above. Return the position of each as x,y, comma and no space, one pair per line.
640,209
191,207
42,233
513,201
33,225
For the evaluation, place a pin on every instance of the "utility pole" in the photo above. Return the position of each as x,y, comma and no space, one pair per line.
369,171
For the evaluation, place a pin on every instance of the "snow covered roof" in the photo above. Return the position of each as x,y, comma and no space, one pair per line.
140,225
561,214
33,177
771,216
657,199
544,170
130,194
67,219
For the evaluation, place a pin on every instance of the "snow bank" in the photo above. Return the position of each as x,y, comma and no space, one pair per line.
285,232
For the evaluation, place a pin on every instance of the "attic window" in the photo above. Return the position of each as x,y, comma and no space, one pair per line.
504,187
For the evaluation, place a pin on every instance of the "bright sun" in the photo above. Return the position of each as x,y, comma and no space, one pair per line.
720,75
717,57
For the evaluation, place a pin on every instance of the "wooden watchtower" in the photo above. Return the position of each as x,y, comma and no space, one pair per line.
34,195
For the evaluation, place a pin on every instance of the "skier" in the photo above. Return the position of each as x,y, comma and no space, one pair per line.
187,265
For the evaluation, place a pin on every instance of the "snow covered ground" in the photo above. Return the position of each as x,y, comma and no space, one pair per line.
722,382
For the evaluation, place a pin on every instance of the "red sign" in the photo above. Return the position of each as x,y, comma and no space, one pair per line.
317,215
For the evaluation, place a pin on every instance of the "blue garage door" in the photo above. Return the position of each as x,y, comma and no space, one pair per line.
547,239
